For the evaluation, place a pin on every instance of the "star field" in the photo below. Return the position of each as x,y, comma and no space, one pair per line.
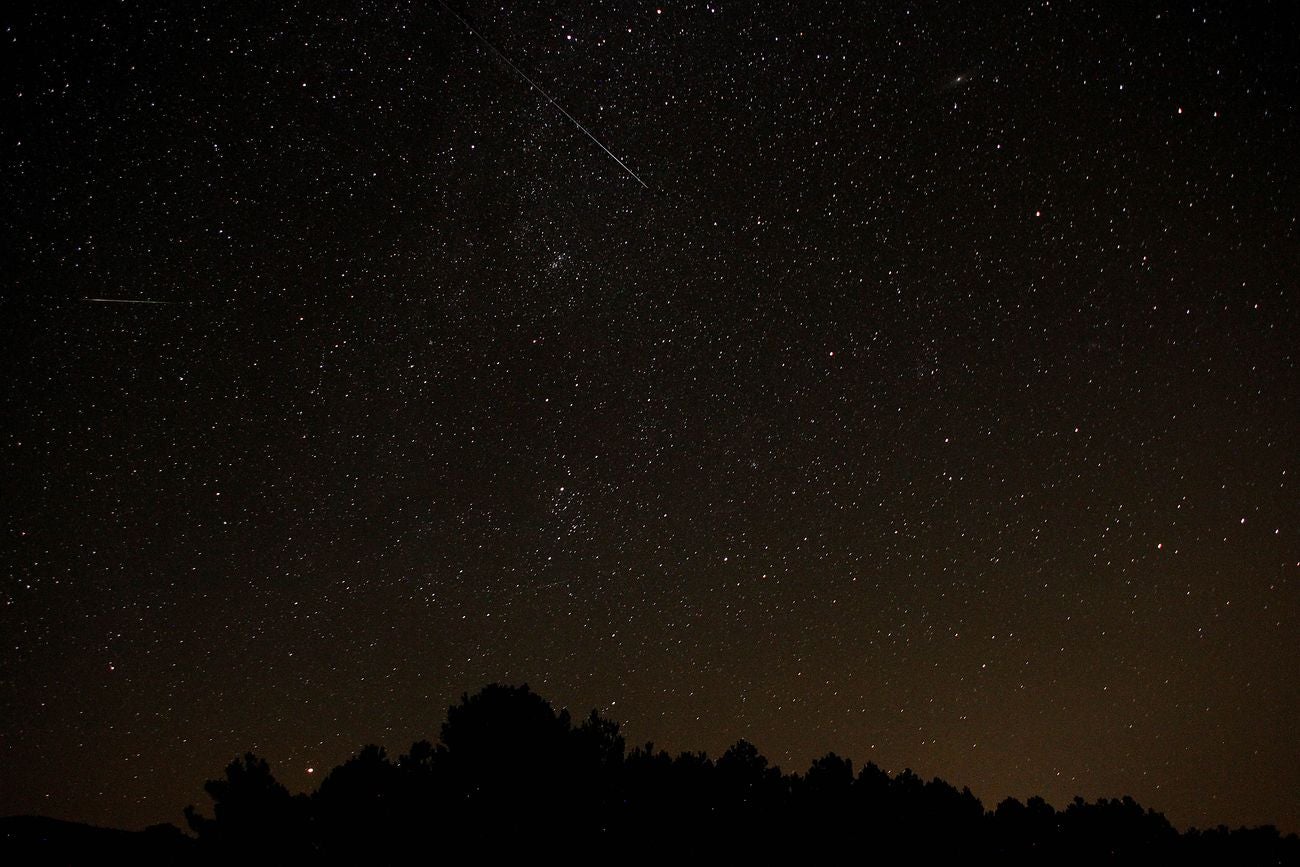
937,403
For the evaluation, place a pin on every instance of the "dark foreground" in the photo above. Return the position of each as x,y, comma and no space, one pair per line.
510,777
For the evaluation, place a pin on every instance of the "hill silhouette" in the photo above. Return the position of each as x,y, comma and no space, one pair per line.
41,840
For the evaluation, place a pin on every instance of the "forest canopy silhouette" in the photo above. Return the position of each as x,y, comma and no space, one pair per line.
511,774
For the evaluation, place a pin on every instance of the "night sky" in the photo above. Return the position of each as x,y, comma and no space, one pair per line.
924,386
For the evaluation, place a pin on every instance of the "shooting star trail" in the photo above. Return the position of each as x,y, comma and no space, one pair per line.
538,88
130,301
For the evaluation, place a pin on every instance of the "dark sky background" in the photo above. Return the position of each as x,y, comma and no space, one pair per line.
936,401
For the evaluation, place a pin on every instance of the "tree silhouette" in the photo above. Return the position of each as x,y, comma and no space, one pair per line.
511,774
359,802
829,779
253,815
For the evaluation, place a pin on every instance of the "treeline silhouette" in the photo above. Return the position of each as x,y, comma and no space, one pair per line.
511,776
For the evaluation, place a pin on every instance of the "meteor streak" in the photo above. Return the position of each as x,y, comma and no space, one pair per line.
537,87
130,301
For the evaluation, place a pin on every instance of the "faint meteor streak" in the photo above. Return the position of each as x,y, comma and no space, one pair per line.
130,301
538,88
